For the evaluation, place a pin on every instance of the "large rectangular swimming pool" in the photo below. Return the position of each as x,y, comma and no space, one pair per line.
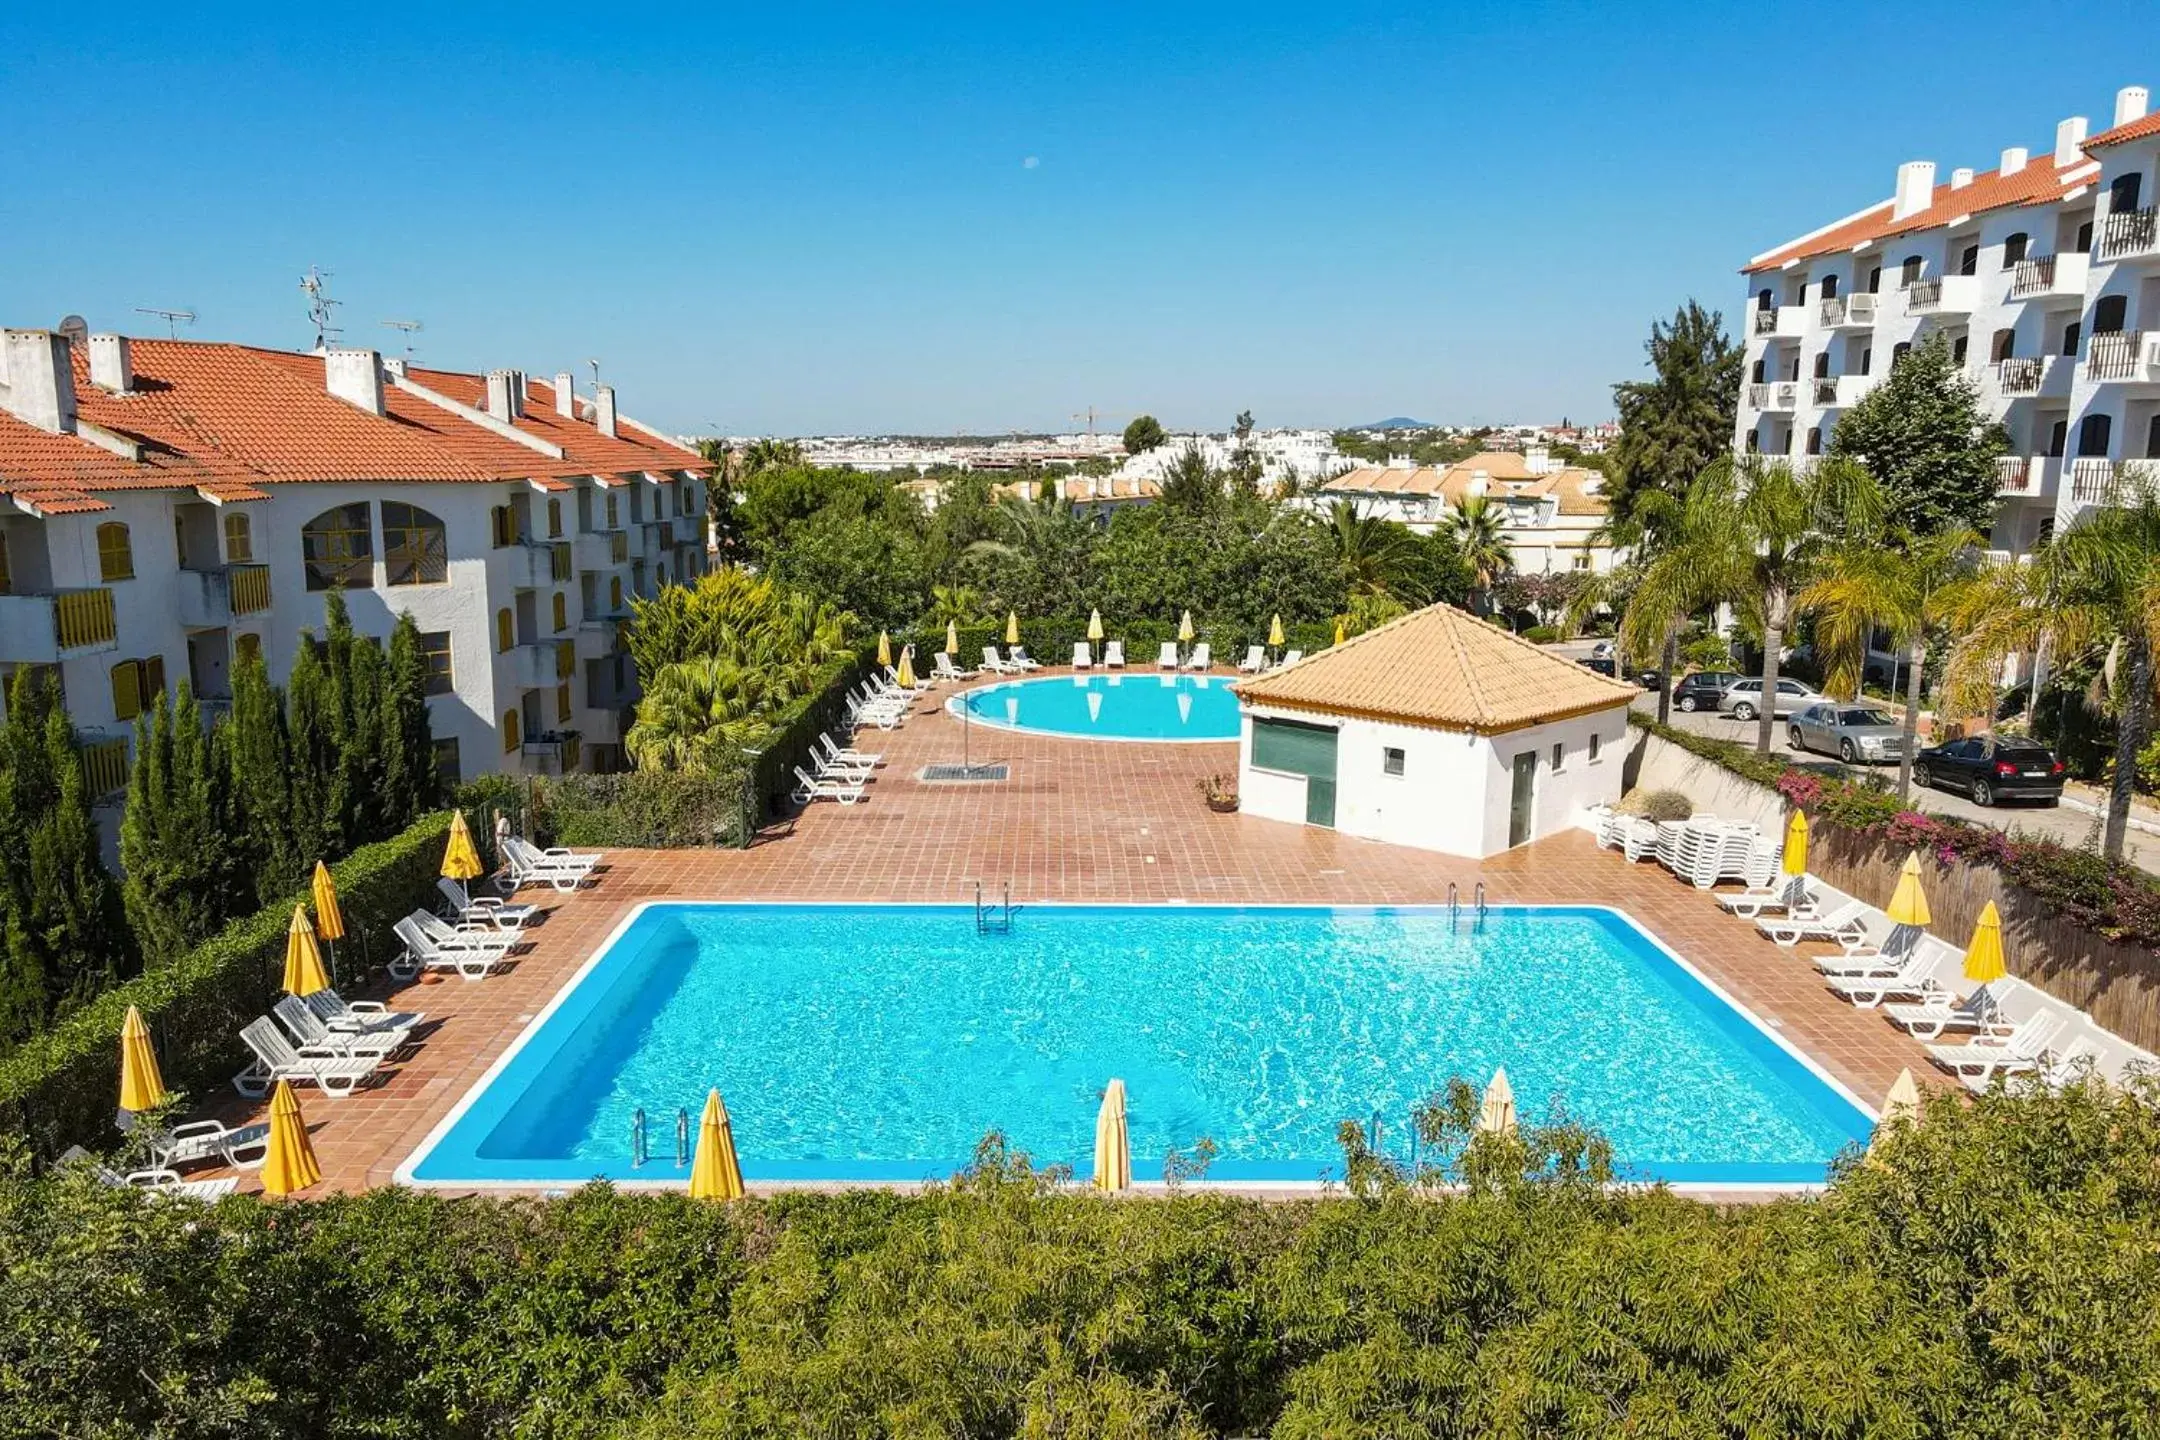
881,1042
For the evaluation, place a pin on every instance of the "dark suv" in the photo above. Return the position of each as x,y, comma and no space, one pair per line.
1700,691
1991,768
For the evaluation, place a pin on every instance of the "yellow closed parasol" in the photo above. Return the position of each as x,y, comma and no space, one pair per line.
1984,956
290,1164
1909,904
1796,843
1113,1142
1184,627
303,962
1012,627
329,920
952,638
1274,632
1338,632
884,648
1094,624
1496,1113
460,861
906,675
141,1087
716,1173
1902,1103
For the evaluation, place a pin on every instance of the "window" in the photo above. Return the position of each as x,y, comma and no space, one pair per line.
7,577
554,519
1759,374
447,771
1814,440
505,630
510,731
1822,365
247,646
1959,349
2152,452
1910,271
611,510
2084,237
1874,281
502,527
2005,346
1898,352
562,612
1593,747
2014,250
614,592
1559,756
338,547
435,649
1754,443
2109,312
1829,287
1969,261
136,684
562,704
2123,193
2094,433
239,538
1867,359
1763,300
2058,437
416,551
116,556
1391,760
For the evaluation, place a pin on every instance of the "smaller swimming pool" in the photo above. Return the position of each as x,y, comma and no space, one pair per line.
1137,706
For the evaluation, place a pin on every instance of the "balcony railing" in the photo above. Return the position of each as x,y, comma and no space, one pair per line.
1826,390
2020,375
1777,395
2033,277
2132,232
84,618
2092,482
2117,356
249,586
1766,321
2016,475
555,753
105,767
1923,294
1842,311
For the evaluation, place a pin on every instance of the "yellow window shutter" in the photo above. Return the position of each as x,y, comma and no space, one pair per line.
126,690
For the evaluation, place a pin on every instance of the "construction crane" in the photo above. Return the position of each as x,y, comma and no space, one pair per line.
1090,416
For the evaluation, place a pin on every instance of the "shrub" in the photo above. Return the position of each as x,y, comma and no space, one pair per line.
1706,652
1541,634
59,1087
647,809
1667,806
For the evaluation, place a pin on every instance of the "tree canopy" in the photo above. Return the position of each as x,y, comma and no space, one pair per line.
1674,425
1143,434
1922,433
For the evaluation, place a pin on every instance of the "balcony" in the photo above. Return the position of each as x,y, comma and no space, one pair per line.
544,665
688,529
2130,356
2027,477
1777,395
1765,322
105,765
2105,482
602,727
1848,312
2131,235
1839,392
1944,295
602,549
210,599
40,629
2050,275
538,564
555,753
599,637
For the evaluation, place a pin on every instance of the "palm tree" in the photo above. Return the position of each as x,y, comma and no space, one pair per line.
1479,527
1371,552
1890,581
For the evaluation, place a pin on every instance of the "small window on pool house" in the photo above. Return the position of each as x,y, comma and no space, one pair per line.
1593,747
1391,761
1559,756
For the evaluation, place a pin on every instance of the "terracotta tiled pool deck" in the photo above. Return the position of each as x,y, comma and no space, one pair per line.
1076,821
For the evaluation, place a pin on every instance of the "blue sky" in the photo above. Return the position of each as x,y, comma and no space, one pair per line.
799,218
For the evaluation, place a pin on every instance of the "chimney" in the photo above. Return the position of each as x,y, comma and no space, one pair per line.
2070,141
518,393
565,395
1960,177
1915,188
40,379
394,365
354,376
2130,104
112,367
502,395
604,410
2013,159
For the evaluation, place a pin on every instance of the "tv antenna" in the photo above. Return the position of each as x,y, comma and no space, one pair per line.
173,319
408,328
590,360
321,308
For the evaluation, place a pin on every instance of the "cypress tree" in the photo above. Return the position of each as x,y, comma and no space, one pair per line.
262,786
409,788
363,751
318,828
231,878
22,962
172,854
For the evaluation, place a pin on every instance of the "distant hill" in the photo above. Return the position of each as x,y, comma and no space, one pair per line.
1396,422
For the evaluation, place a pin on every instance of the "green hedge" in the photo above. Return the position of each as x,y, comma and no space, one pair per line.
633,809
60,1087
1991,1273
795,730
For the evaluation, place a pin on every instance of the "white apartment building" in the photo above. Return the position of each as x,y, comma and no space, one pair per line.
166,506
1555,513
2044,276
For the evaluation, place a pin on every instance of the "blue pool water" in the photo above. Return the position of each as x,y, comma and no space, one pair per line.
882,1042
1135,706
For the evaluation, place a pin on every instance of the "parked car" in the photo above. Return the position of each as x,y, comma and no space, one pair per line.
1990,768
1604,650
1856,734
1650,678
1743,699
1602,664
1703,689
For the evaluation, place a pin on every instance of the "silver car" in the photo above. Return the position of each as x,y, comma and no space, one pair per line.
1856,734
1743,699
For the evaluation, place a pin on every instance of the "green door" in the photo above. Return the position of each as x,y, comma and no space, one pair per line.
1519,802
1295,749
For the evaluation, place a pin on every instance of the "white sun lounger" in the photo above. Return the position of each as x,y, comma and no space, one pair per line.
1888,958
1844,925
422,952
307,1028
944,668
996,665
1916,978
2019,1050
1113,654
1254,662
1166,658
195,1141
161,1180
1023,661
827,767
810,787
1201,658
460,906
530,865
277,1058
835,750
1795,896
1290,657
2067,1066
1083,656
464,937
335,1011
1937,1016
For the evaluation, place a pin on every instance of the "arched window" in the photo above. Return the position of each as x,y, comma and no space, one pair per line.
1754,442
2123,194
2094,433
246,646
2109,312
2058,436
2014,250
1910,271
505,630
115,554
338,547
2152,439
562,612
1822,365
416,551
1763,300
1898,352
512,728
1867,359
1874,280
1759,376
2070,338
1814,440
2004,346
1829,287
239,538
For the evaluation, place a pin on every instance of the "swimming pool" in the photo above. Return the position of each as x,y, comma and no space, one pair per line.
1135,706
880,1042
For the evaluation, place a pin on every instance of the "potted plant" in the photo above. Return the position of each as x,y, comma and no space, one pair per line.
1220,792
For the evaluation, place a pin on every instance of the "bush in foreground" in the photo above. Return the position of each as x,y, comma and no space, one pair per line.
1992,1272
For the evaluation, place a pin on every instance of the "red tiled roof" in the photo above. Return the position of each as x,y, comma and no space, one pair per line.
59,474
589,451
2038,183
2123,134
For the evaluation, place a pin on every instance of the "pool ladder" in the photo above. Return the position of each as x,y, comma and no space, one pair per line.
993,918
1454,901
640,1144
